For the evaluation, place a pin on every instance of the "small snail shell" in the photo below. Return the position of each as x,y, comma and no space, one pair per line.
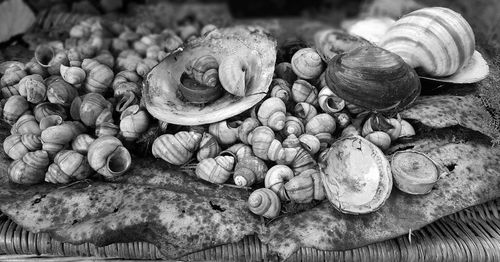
16,146
56,138
380,139
73,75
34,68
33,88
307,64
106,58
272,113
264,202
234,74
79,31
48,121
248,125
188,32
58,58
93,104
342,119
225,132
291,141
26,124
75,60
46,109
437,40
176,149
293,126
302,91
276,177
204,69
106,116
127,100
249,170
128,60
300,189
106,129
329,102
325,139
354,109
145,66
74,109
81,143
209,147
30,169
215,170
152,52
108,157
206,29
260,139
302,161
305,111
12,76
284,71
280,89
395,131
8,91
407,129
239,151
321,123
310,143
375,123
126,81
60,91
68,166
99,76
350,130
14,108
133,122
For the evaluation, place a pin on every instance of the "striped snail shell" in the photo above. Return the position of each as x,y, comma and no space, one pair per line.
248,125
93,104
225,132
12,76
68,166
300,189
56,138
380,139
26,124
60,91
322,123
293,125
73,75
176,149
204,69
264,202
14,108
81,143
280,89
305,111
209,147
329,102
303,161
303,91
249,171
291,141
272,113
33,88
47,109
307,64
215,170
133,122
436,40
30,169
239,151
16,146
99,76
310,143
106,129
276,177
108,157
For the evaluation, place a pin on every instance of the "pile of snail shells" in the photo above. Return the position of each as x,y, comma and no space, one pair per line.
75,106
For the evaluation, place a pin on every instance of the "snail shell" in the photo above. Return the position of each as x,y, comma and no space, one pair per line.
234,74
197,93
68,166
127,100
215,170
99,76
204,69
14,108
33,68
260,139
321,123
305,111
225,132
93,104
126,81
249,170
436,40
300,189
81,143
60,91
145,66
280,89
284,71
12,76
176,149
47,109
395,131
307,64
56,138
133,122
152,52
248,125
303,161
26,124
407,129
373,78
108,157
239,151
73,75
310,143
16,146
128,60
209,147
276,177
8,91
106,58
75,60
302,91
264,202
51,57
106,129
380,139
33,88
30,169
106,116
350,130
293,126
331,42
376,122
329,102
272,113
291,141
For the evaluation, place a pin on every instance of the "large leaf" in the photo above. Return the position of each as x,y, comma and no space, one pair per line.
15,18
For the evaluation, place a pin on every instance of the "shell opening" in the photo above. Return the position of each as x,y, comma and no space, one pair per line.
44,54
119,161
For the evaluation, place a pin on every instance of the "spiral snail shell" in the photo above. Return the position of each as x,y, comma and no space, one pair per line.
26,124
264,202
247,126
56,138
225,132
276,177
14,108
303,91
272,113
176,149
81,143
93,104
307,64
60,91
126,81
99,76
108,157
310,143
280,89
235,75
68,166
321,123
33,88
12,76
30,169
329,102
46,109
16,146
73,75
249,171
133,122
380,139
293,126
305,111
215,170
209,147
266,147
204,69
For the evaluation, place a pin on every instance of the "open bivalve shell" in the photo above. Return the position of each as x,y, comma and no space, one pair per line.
356,176
251,44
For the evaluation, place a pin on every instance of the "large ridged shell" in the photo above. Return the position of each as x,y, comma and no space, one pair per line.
356,176
373,78
436,40
161,85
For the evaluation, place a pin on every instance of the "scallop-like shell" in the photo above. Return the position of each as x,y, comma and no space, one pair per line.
68,166
215,170
133,122
310,143
272,113
356,176
225,132
276,177
307,64
176,149
160,91
60,91
331,42
26,124
33,88
93,104
284,71
209,147
264,202
81,143
414,172
380,139
373,78
47,109
16,146
14,108
303,91
247,126
30,169
249,171
329,102
108,157
435,40
73,75
305,111
99,76
321,123
293,126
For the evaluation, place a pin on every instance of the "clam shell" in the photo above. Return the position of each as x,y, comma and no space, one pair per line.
161,85
331,42
414,172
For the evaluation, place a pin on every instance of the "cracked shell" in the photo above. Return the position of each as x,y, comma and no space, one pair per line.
160,92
